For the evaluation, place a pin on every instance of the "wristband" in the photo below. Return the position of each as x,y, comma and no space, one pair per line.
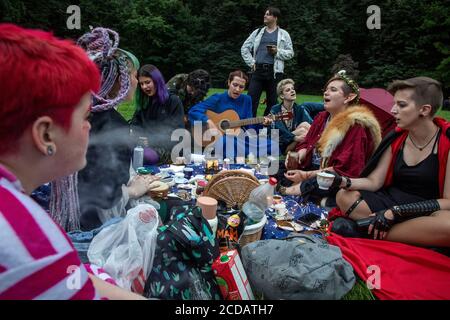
348,184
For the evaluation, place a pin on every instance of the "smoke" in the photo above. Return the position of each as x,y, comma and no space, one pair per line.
108,167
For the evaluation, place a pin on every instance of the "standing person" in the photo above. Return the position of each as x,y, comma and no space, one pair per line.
158,112
44,133
265,51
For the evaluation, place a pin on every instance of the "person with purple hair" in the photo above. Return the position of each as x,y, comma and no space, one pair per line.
158,113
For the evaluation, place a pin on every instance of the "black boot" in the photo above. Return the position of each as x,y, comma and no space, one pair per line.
348,228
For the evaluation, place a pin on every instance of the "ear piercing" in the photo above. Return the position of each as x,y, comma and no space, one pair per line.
50,151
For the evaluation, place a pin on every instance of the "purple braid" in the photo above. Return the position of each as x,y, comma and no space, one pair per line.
64,205
101,45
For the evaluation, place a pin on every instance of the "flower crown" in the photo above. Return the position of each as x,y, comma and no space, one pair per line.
350,82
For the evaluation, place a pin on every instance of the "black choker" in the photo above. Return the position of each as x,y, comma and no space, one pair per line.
421,148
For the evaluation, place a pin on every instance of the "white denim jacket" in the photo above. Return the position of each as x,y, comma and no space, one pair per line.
284,49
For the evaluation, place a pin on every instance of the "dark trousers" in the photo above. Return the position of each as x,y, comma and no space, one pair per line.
262,79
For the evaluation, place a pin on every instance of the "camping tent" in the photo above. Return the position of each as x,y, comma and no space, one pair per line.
380,102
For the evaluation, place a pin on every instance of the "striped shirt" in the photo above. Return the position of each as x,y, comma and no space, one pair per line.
37,260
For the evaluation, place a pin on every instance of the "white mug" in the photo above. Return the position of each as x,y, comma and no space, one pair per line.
325,180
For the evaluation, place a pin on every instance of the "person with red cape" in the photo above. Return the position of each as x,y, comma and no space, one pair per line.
341,139
404,192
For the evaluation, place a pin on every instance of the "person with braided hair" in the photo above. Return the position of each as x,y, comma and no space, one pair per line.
403,194
104,186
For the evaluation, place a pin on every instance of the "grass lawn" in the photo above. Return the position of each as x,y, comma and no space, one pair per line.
359,292
127,109
444,114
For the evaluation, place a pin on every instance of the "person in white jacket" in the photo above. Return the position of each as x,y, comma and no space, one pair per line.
265,51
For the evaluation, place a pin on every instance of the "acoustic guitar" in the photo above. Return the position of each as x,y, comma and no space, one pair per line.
228,122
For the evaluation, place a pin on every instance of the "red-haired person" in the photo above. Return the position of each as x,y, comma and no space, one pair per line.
44,132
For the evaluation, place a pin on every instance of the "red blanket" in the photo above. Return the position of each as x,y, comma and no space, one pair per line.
397,271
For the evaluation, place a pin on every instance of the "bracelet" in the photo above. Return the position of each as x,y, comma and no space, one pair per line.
348,184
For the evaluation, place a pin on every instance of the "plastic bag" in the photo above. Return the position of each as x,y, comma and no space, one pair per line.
126,250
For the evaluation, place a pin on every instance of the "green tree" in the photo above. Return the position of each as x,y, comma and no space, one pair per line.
182,35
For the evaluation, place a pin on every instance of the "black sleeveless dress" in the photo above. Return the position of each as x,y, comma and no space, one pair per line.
410,183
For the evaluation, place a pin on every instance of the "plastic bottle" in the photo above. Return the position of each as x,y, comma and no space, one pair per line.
262,196
253,212
138,156
259,200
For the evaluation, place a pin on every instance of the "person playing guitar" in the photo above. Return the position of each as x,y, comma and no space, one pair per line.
228,110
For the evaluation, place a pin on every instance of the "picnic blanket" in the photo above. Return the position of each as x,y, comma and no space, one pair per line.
406,272
297,209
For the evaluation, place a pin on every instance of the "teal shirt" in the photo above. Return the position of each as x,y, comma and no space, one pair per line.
304,112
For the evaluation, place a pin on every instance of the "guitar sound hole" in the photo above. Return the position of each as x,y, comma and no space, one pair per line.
224,125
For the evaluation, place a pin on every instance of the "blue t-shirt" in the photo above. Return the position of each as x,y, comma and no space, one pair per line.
219,103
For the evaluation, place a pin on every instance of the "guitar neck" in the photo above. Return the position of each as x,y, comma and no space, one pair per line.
246,122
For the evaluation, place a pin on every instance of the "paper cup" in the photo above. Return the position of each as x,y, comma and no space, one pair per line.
208,206
277,199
